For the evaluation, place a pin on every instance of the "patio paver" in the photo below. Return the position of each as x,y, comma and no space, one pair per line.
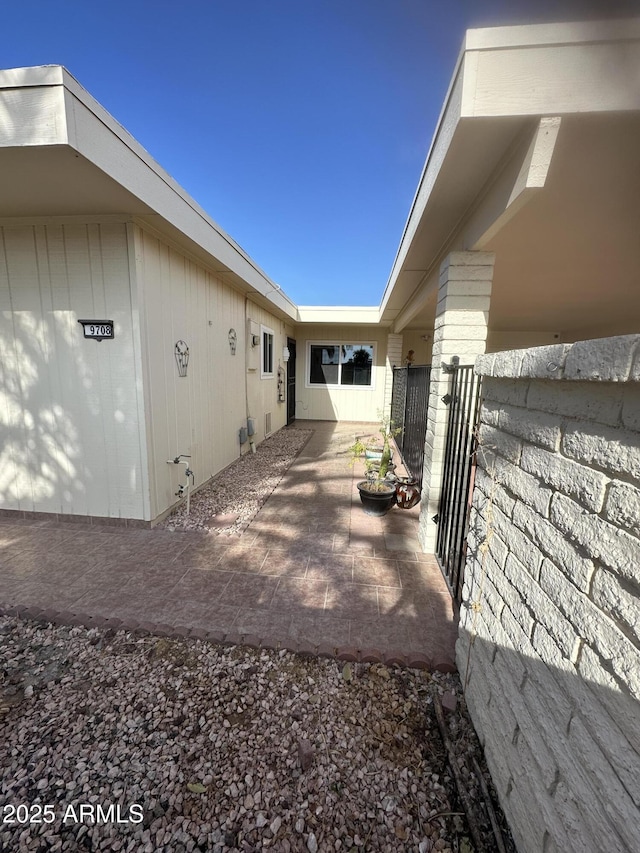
311,571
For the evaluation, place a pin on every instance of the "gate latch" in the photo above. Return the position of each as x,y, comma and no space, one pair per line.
435,518
450,368
446,399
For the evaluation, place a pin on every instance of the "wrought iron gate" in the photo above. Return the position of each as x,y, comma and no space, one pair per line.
459,466
409,404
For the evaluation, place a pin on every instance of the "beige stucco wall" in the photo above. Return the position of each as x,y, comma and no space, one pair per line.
70,408
341,404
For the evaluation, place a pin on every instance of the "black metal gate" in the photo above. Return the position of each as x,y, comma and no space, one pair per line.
459,467
409,405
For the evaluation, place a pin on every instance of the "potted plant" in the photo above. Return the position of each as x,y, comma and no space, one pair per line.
377,491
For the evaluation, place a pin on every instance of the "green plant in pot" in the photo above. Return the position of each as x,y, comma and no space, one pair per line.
378,491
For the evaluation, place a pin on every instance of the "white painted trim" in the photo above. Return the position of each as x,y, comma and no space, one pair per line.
339,343
264,374
80,219
36,75
354,314
442,137
143,386
533,35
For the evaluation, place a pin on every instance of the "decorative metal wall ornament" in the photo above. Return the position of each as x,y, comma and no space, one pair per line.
182,357
233,339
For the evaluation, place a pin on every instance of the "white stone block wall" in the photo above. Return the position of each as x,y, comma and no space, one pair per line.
549,646
460,330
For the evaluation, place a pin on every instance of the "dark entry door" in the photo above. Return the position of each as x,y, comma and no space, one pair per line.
291,381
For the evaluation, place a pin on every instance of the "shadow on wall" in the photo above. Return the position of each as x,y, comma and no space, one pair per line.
314,403
70,444
563,750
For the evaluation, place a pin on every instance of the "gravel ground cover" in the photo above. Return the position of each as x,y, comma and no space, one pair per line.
236,494
120,742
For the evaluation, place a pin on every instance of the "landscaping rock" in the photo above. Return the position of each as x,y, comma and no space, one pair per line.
201,738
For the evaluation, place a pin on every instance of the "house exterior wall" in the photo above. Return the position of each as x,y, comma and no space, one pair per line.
549,647
415,340
263,391
198,415
71,409
394,360
341,404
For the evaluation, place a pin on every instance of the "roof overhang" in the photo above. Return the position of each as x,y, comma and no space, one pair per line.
517,97
62,154
341,315
529,113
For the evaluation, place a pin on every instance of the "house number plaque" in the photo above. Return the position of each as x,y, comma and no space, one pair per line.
97,329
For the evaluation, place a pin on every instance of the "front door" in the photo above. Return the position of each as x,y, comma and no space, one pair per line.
291,381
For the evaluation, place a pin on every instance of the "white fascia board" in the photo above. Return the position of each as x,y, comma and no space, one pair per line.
554,70
443,134
83,124
530,35
105,142
355,315
36,75
32,117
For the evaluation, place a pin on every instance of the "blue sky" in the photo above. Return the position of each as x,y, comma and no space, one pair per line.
300,126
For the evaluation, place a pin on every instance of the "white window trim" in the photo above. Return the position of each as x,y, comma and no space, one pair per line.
339,343
266,374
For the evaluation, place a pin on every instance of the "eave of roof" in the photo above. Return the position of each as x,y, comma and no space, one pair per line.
476,131
478,127
58,111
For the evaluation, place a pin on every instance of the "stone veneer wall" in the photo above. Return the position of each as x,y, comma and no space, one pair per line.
549,643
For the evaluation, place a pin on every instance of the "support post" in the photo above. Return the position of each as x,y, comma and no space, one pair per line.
460,329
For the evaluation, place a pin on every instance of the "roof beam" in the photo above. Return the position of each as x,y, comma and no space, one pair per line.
513,189
425,291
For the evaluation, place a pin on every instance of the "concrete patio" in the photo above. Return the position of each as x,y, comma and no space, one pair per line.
311,573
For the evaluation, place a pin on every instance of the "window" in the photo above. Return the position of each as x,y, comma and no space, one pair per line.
266,343
339,364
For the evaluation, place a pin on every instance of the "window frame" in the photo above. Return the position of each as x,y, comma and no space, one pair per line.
337,386
267,374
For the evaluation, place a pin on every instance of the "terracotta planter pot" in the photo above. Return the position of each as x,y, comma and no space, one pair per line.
407,494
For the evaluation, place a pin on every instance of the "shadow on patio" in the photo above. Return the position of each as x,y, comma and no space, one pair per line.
311,573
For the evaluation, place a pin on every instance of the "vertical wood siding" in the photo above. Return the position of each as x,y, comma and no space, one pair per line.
263,393
69,407
198,415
